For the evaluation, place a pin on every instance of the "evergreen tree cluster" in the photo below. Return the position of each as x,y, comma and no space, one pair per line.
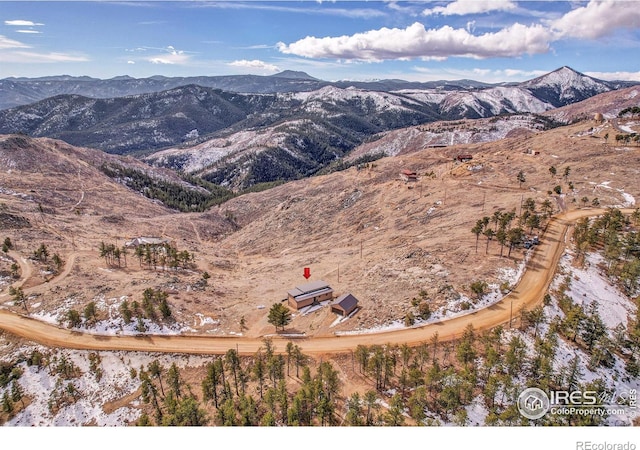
182,197
113,255
163,255
498,226
618,237
154,306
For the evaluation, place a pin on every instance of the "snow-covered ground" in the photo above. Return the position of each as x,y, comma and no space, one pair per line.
114,324
116,382
628,200
627,128
589,284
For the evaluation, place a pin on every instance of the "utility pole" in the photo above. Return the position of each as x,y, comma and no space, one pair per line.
511,314
521,201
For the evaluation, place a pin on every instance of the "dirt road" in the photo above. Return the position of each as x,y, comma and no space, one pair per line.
528,293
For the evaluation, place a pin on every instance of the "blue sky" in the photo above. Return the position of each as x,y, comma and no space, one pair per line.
486,40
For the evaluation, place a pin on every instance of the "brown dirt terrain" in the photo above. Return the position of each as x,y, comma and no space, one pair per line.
527,294
364,231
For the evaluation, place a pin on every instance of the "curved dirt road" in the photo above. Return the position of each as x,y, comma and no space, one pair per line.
528,293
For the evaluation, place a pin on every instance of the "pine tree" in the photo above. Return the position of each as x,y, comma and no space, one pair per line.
125,311
354,411
73,317
279,316
173,380
90,312
371,405
19,297
233,362
259,371
394,416
17,393
164,308
156,369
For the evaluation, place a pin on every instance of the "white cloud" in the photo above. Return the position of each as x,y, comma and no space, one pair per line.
517,73
131,62
485,75
169,59
354,13
417,42
10,52
6,43
29,31
35,57
255,64
22,23
471,26
171,56
598,19
615,76
464,7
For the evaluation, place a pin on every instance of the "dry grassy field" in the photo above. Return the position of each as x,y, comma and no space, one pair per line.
363,230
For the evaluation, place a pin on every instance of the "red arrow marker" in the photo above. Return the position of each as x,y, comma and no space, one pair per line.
307,272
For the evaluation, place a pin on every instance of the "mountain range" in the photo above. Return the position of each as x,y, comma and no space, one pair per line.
240,131
23,91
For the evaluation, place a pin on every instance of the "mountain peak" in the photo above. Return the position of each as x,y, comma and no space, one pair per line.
567,69
122,78
294,74
565,85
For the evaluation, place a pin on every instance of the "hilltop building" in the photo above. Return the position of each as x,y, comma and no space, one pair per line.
308,294
142,240
408,175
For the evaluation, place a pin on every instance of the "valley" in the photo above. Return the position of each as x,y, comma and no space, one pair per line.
403,245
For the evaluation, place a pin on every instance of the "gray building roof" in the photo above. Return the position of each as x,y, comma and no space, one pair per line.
313,287
144,240
347,302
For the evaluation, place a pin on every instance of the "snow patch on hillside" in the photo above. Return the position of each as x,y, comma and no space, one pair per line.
413,139
89,408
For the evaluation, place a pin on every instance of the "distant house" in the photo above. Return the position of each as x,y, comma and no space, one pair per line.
309,293
408,175
344,305
464,158
153,241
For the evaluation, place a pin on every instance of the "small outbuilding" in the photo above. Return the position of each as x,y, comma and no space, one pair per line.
408,175
309,294
464,158
344,305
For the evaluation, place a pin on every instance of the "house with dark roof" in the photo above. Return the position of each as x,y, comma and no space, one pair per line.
308,294
344,305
